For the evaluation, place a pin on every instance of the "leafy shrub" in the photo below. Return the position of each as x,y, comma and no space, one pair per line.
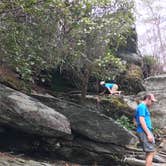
126,122
151,66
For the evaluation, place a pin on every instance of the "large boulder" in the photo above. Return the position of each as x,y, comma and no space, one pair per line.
131,81
28,126
23,112
115,107
157,86
133,58
155,83
91,124
8,159
96,137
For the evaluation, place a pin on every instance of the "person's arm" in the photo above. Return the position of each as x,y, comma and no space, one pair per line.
146,130
134,122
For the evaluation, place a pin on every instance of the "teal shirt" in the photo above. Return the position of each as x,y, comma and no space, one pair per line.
108,85
142,110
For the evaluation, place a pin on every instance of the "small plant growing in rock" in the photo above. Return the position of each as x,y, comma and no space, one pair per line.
125,122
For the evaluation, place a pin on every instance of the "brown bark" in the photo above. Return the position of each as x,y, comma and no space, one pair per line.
85,81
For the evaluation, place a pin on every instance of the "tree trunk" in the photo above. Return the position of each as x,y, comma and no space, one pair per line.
85,81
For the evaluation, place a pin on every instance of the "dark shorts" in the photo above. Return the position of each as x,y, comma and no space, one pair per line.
147,146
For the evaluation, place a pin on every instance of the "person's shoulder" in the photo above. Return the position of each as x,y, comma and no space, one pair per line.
141,105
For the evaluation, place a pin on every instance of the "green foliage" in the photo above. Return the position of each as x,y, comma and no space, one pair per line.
131,80
149,65
108,66
37,35
156,130
149,60
24,40
134,71
126,122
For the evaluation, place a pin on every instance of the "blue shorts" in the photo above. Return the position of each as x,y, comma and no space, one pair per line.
147,146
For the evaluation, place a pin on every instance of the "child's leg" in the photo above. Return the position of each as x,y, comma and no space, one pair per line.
115,89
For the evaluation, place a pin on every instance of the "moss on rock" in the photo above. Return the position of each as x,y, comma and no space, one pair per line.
131,81
9,78
115,107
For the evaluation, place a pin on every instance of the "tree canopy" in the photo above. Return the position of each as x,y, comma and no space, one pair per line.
73,34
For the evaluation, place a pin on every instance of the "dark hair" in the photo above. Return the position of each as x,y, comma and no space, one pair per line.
148,96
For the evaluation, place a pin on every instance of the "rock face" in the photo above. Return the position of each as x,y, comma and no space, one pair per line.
155,83
131,81
15,161
129,52
131,57
91,124
157,86
27,114
96,136
34,127
12,160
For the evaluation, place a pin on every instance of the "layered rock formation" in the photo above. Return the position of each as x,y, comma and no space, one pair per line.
27,114
66,131
82,134
157,86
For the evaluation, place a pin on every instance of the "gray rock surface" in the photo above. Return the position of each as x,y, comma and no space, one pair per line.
91,124
131,58
12,160
35,127
158,109
29,115
130,100
15,161
96,137
157,86
155,83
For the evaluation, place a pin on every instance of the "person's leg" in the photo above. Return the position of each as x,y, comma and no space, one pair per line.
115,89
150,150
149,158
148,147
103,92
